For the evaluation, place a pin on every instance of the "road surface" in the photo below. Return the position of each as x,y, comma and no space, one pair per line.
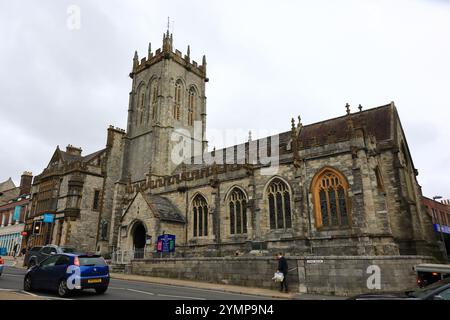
12,280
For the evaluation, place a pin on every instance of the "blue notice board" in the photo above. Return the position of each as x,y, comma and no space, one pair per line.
49,217
166,243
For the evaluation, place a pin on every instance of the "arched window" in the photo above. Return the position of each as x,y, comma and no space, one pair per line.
279,199
237,202
141,104
177,100
200,216
191,106
154,101
330,191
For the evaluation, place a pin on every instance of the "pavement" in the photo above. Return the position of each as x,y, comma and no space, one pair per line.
139,287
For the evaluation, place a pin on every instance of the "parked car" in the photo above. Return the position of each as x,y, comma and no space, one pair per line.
2,264
44,252
429,273
437,291
30,252
54,273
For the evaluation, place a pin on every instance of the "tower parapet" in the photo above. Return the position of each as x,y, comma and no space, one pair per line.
167,52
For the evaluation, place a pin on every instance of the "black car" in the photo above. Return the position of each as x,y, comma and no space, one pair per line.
437,291
36,257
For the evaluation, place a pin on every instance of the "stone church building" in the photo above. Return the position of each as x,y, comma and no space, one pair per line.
336,196
343,186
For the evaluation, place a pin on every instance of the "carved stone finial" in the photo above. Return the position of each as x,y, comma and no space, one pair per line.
347,107
293,124
150,50
188,51
360,107
299,125
250,136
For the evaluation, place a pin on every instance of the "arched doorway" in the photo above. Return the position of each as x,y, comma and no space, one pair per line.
139,236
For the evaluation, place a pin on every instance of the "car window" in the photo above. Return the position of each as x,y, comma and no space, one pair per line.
445,294
63,260
68,250
52,250
92,261
46,250
49,262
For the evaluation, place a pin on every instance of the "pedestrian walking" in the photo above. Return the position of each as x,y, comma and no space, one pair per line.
283,268
16,250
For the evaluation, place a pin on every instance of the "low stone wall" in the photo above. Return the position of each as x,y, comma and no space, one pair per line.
333,275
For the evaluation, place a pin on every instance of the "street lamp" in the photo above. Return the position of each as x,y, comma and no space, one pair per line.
440,227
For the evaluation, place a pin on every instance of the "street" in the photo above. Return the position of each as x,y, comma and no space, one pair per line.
12,280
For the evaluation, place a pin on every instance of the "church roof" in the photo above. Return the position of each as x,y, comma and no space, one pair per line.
376,121
164,208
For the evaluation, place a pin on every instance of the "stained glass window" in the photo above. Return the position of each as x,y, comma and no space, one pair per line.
279,205
331,199
200,216
238,212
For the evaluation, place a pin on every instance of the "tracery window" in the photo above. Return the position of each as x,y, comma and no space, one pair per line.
279,198
200,216
191,106
331,199
237,203
177,100
141,104
154,101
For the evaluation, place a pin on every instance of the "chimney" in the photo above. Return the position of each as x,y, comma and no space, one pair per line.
70,149
25,182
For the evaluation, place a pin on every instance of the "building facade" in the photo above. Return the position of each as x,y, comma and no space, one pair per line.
343,186
440,215
13,213
67,197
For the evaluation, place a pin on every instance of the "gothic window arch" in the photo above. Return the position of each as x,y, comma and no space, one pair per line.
237,204
191,106
154,99
200,216
331,203
279,201
141,104
178,100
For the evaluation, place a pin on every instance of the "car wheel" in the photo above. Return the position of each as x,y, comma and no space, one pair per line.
63,291
101,290
27,283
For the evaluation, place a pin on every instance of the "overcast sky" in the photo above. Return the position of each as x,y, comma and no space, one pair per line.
267,61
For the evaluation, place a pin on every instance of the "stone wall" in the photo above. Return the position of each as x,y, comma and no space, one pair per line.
335,275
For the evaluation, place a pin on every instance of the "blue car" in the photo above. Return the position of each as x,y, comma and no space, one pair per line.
68,272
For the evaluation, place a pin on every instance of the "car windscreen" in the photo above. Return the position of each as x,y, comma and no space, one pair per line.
68,250
428,289
92,261
35,248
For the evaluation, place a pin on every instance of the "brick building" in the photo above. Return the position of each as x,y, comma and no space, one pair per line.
13,212
440,215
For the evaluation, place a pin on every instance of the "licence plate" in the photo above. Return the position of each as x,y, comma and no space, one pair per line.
94,280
